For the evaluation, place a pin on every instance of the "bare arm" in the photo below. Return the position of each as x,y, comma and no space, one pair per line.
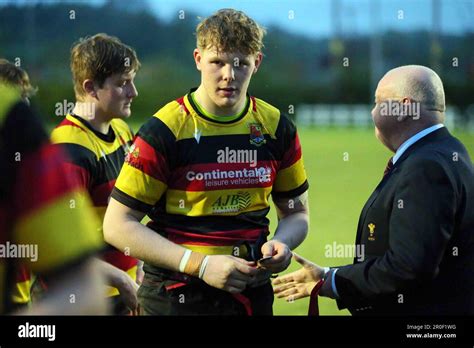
293,224
122,228
292,229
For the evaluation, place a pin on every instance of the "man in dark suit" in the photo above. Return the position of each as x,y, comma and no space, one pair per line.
417,228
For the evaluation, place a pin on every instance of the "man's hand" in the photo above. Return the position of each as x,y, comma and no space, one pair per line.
298,284
140,273
229,273
280,256
128,291
119,279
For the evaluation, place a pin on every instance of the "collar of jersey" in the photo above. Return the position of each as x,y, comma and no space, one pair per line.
109,137
224,120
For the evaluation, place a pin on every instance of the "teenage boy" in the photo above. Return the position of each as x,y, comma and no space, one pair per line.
97,138
203,169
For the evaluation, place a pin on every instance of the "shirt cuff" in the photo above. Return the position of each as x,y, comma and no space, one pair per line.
333,282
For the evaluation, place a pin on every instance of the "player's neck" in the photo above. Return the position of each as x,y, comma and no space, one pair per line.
95,117
208,105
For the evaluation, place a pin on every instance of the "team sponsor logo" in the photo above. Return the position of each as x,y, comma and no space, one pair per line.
232,203
237,156
256,135
244,176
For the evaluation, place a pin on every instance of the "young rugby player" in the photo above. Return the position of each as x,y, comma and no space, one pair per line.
39,232
97,138
203,169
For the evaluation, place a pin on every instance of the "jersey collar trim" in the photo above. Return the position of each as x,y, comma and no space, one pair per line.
195,109
109,137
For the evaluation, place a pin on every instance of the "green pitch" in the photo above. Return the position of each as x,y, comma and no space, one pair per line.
343,167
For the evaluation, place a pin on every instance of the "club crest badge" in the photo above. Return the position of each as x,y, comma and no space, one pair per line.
371,227
132,154
256,135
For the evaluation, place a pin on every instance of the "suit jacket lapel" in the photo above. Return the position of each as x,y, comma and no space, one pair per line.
369,203
436,135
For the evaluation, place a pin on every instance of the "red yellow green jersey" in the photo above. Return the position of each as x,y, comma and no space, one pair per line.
40,230
205,182
96,160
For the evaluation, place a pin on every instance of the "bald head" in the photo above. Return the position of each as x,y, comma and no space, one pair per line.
408,99
419,84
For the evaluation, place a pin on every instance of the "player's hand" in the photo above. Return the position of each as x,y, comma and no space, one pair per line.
261,278
140,273
229,273
298,284
127,288
280,256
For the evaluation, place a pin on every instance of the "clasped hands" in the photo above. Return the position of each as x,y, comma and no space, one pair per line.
234,274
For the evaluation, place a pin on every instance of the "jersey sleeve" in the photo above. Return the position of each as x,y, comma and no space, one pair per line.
50,214
291,180
79,164
144,175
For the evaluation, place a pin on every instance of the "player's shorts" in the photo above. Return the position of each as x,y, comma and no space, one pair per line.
172,293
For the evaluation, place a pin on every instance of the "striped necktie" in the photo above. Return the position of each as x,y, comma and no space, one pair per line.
388,167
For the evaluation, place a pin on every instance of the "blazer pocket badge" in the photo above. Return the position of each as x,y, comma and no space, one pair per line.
371,227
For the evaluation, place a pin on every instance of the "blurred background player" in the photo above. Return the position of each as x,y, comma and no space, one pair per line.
35,212
203,169
96,139
18,78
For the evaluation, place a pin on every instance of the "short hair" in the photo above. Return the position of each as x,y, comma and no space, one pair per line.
15,76
229,30
99,57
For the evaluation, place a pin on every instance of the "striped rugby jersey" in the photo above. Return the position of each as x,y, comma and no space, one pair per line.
206,184
96,160
35,205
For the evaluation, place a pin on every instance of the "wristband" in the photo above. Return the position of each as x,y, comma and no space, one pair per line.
326,273
194,264
184,260
202,269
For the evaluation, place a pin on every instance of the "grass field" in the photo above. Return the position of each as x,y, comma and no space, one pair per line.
343,167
